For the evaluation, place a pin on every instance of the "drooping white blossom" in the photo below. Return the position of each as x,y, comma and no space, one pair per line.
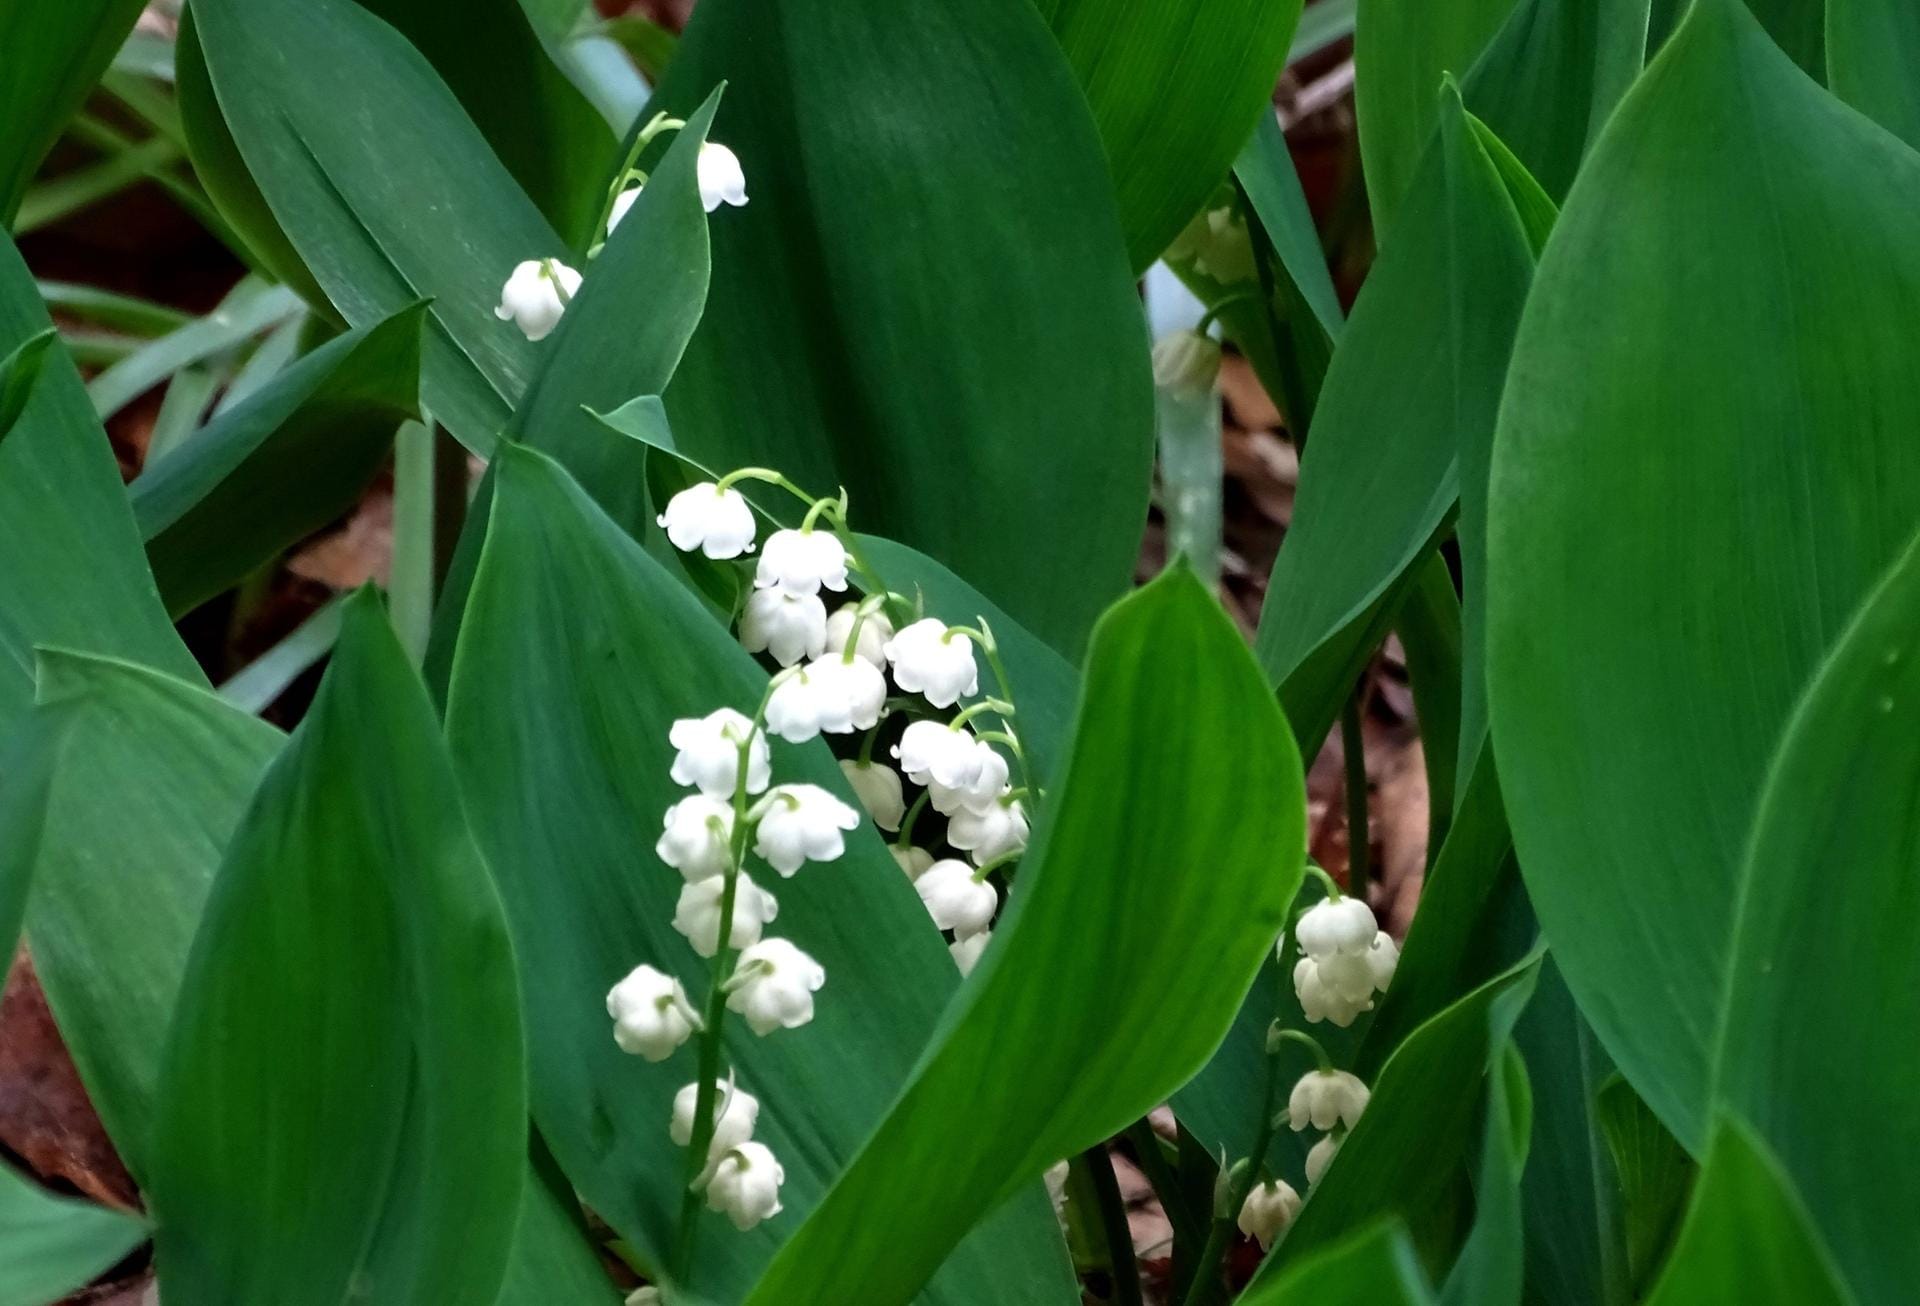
716,521
1320,1156
536,296
1383,959
735,1113
645,1295
621,203
773,986
914,861
708,753
1336,925
875,631
1325,1098
792,627
994,830
745,1186
801,823
697,835
827,694
722,180
878,788
802,562
697,914
956,900
932,659
932,752
651,1014
1336,989
966,952
1268,1210
977,795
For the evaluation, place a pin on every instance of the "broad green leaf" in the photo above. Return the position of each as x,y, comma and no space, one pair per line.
19,370
1379,478
342,1102
928,298
1824,967
1491,1264
390,196
1428,623
1799,28
1376,1265
605,353
50,1246
71,570
281,465
1731,265
577,653
1175,89
552,141
1872,48
132,768
1192,872
1748,1239
54,53
1404,1158
1656,1176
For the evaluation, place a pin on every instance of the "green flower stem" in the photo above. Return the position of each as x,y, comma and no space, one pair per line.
1187,1231
660,122
1331,885
998,706
913,814
1113,1225
1276,1036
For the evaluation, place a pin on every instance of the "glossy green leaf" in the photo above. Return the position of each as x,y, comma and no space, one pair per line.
1730,265
1656,1176
49,1245
133,768
19,370
71,570
1379,478
389,197
1376,1265
1404,1158
1191,872
342,1098
938,314
1748,1240
1491,1264
54,53
1823,968
552,141
281,465
1175,89
1799,28
577,653
1873,47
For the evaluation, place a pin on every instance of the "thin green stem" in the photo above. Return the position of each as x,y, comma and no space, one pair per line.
641,139
1331,885
1113,1225
1359,829
913,814
1277,1036
1166,1182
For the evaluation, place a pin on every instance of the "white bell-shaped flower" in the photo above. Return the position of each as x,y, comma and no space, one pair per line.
1337,989
976,795
930,658
966,952
536,296
878,788
1336,925
1270,1207
718,522
801,823
802,562
956,900
722,180
708,753
698,835
827,694
996,830
735,1113
932,752
645,1295
621,203
651,1014
1325,1098
914,861
773,986
875,631
1320,1156
697,914
792,627
745,1186
1383,959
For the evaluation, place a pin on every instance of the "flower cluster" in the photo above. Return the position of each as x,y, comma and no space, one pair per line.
1345,959
849,672
537,293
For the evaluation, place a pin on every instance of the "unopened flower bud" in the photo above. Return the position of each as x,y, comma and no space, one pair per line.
1320,1156
875,631
966,952
878,788
914,861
